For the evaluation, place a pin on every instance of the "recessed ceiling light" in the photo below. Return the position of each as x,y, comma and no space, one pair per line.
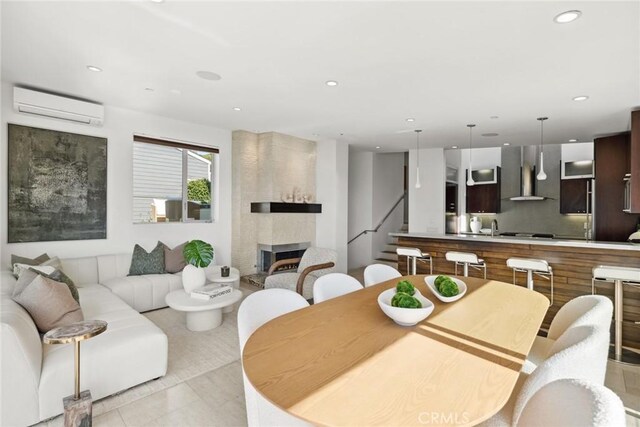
453,147
507,143
489,134
411,119
378,147
94,68
494,117
208,75
573,140
331,83
236,108
175,91
581,98
568,16
148,89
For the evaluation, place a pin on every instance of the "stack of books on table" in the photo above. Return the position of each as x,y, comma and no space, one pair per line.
212,291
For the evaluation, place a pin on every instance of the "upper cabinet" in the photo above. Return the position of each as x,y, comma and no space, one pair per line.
634,167
574,196
484,196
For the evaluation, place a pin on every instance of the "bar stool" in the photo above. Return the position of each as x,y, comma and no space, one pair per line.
531,266
413,255
466,259
619,276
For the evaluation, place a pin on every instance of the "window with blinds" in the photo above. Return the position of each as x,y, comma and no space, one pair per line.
173,181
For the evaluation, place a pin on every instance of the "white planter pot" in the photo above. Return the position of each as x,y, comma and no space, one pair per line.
192,278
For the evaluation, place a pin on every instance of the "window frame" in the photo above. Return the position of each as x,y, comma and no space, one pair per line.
186,147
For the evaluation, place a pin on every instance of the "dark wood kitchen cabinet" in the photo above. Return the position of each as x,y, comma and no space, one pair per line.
574,196
484,198
634,163
612,162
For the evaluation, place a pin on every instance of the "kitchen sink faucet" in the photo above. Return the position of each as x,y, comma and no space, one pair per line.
494,227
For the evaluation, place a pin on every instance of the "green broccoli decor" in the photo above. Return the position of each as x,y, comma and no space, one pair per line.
402,300
447,287
406,287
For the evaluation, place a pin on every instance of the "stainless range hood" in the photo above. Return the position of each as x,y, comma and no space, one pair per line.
528,175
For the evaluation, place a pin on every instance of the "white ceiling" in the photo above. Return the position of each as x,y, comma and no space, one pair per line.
444,63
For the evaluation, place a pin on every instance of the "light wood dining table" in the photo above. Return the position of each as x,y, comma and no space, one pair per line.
343,362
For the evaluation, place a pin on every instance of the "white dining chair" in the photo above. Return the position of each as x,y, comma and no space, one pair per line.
256,310
594,310
573,403
378,273
333,285
583,356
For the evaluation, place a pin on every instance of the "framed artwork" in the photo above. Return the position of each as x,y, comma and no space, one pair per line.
57,185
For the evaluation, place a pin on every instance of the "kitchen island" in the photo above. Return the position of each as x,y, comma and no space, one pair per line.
571,260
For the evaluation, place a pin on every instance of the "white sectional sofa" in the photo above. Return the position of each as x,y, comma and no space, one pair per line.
35,376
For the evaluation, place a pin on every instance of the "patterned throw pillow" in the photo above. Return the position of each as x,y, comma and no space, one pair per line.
19,263
174,261
49,303
143,262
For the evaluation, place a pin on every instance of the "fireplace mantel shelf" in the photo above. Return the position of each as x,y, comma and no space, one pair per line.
282,207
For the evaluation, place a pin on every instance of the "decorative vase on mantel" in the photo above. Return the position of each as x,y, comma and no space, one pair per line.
198,255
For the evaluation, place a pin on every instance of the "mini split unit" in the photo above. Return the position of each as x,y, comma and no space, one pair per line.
57,107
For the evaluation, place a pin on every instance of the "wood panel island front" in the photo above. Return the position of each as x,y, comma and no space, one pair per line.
572,262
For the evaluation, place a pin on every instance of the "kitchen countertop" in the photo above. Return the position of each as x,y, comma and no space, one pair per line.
524,240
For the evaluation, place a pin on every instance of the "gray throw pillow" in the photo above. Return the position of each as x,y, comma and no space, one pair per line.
59,276
29,261
143,262
174,261
49,303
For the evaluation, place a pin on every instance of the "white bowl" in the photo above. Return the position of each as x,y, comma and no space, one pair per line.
430,281
485,231
404,316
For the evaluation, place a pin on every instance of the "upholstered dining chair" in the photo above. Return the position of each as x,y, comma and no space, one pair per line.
378,273
315,262
583,355
573,403
333,285
594,310
256,310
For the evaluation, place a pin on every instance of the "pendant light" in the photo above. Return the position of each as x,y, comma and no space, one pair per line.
470,181
418,184
541,175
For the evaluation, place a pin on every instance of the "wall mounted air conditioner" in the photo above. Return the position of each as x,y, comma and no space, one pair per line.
57,107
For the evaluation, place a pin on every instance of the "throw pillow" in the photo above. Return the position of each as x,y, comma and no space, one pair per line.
19,263
143,262
58,276
174,261
49,303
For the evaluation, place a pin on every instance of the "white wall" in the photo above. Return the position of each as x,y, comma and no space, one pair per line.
360,212
332,187
119,127
388,186
426,204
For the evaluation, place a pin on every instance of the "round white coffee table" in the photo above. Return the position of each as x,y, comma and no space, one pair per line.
202,315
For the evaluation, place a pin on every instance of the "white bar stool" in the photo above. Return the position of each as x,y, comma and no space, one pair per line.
531,266
466,259
619,276
413,255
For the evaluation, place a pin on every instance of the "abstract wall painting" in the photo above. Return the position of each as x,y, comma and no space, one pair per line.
57,185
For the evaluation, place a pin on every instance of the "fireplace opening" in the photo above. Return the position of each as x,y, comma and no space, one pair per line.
268,254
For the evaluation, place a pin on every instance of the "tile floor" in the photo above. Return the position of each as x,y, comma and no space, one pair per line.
216,398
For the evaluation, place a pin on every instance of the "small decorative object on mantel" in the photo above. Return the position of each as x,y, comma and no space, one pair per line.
78,406
298,197
224,271
286,197
198,255
308,198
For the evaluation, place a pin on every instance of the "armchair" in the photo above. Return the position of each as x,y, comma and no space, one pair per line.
314,263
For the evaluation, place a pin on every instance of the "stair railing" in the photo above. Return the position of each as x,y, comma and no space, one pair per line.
375,230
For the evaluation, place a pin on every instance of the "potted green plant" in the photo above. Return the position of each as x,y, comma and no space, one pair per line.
198,255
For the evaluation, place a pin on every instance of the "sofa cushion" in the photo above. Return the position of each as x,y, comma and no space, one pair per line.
131,351
145,292
174,261
49,303
143,262
112,266
82,271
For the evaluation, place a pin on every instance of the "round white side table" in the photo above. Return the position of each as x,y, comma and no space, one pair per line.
232,280
202,315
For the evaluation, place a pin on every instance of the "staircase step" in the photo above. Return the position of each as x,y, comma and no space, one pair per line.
393,263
